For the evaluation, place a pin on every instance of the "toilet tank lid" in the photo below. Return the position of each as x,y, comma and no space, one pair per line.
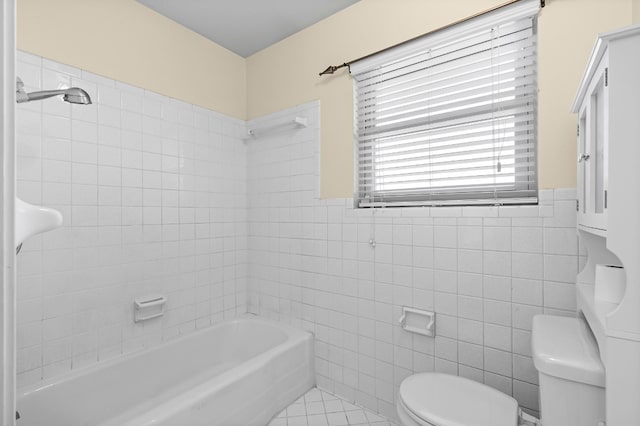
565,348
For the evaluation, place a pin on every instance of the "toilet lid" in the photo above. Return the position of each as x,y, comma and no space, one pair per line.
447,400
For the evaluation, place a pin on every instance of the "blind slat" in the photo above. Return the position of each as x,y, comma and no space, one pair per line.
513,116
427,141
411,175
420,88
367,128
454,102
439,159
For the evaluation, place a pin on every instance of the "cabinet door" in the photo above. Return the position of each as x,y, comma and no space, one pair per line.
592,152
583,180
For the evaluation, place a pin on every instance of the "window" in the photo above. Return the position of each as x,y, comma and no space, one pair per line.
450,118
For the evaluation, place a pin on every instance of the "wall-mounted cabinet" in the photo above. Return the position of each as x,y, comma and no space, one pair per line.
608,288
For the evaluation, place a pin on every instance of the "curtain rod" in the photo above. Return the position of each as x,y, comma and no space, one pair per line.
333,68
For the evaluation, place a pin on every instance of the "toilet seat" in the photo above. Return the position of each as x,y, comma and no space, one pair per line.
446,400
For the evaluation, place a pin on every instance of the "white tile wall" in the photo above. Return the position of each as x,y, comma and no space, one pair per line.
153,194
484,270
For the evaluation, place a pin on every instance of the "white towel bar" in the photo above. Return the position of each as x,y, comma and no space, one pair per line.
296,123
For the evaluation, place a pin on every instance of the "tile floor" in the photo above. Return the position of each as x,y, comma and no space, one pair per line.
320,408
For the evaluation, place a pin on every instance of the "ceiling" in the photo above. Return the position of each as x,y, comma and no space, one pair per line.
247,26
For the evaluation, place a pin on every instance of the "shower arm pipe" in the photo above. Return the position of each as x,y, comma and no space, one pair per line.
333,68
44,94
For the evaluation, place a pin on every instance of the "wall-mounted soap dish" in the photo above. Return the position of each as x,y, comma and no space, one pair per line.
148,307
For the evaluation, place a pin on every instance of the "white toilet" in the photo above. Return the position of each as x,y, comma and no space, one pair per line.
571,379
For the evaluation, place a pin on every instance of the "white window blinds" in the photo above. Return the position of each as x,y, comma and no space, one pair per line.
450,118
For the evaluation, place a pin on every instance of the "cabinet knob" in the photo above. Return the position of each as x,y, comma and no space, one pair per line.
583,157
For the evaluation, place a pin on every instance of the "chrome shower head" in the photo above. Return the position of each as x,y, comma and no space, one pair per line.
74,95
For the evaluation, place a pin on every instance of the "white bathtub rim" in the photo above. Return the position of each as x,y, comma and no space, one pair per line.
100,365
184,400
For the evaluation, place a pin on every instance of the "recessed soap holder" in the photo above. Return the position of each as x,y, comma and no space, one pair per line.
147,307
418,321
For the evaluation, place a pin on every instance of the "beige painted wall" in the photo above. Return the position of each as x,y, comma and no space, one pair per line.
123,40
567,31
286,74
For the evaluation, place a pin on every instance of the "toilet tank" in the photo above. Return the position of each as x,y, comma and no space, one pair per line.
570,372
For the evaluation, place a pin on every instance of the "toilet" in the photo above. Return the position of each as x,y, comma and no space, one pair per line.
571,378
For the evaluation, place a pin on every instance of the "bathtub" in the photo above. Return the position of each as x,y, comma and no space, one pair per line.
239,372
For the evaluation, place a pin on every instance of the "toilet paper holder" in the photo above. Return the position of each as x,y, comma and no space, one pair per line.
418,321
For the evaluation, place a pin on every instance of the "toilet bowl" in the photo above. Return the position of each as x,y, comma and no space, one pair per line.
434,399
571,386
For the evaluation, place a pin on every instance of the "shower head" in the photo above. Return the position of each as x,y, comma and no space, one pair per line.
74,95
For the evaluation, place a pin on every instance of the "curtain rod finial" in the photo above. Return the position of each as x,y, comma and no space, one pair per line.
333,68
330,70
